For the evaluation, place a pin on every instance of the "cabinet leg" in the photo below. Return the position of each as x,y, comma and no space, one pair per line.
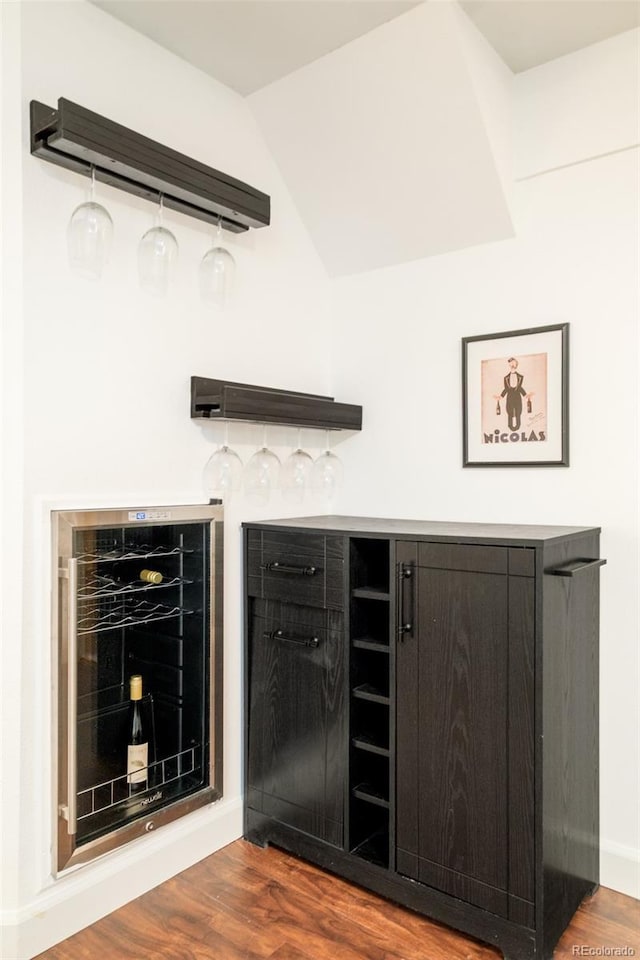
256,839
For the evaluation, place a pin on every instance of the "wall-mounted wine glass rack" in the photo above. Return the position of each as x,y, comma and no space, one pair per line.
83,141
225,400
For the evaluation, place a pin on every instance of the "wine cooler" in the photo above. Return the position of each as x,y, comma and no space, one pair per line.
137,624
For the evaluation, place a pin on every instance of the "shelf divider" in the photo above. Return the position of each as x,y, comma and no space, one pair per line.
371,593
368,745
364,791
363,643
365,691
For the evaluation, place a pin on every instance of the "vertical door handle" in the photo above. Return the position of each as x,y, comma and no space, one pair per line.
405,619
70,810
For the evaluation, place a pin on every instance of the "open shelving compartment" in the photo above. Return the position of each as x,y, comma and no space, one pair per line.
370,799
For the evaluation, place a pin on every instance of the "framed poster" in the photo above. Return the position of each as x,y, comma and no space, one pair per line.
515,398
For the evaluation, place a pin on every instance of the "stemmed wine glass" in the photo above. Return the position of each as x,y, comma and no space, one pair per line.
296,472
262,472
222,474
157,252
216,271
89,236
327,473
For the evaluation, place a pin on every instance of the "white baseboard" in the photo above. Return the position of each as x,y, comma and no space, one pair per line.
77,900
620,868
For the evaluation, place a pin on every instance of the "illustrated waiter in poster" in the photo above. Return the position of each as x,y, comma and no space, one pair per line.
514,392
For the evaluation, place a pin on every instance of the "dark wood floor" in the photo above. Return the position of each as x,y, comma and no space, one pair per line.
244,903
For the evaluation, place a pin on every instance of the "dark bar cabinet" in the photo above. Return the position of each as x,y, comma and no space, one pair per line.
422,714
138,595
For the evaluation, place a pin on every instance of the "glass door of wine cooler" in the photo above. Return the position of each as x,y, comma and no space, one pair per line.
139,596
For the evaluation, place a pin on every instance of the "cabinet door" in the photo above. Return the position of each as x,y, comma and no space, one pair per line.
296,717
464,746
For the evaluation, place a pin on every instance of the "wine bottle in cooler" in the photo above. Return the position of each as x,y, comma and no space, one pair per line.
137,740
151,576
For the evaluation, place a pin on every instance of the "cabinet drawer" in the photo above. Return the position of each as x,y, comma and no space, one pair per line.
299,568
289,624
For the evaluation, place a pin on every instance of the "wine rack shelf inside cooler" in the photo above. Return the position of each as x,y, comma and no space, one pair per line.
124,612
110,552
109,589
102,586
110,794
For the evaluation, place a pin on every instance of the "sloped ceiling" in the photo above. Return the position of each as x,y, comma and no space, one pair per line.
383,147
527,33
247,44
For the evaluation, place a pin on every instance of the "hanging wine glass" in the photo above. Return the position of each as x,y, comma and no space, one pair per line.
261,473
157,253
296,473
89,236
216,272
327,473
222,474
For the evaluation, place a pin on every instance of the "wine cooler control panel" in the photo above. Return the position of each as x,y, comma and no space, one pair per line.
138,636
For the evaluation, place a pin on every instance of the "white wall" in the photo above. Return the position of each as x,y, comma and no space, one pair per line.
574,259
11,450
577,107
101,404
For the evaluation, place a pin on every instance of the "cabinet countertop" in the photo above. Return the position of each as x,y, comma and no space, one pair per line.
432,529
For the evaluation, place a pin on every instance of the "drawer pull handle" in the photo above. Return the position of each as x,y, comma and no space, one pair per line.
574,567
276,567
280,635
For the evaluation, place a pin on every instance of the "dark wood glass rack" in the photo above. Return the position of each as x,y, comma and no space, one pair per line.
225,400
83,141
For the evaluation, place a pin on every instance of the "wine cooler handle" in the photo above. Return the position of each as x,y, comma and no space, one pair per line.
72,699
280,635
276,567
405,626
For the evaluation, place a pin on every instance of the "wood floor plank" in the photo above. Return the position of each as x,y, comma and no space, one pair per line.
358,908
355,916
609,932
614,906
287,952
248,903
